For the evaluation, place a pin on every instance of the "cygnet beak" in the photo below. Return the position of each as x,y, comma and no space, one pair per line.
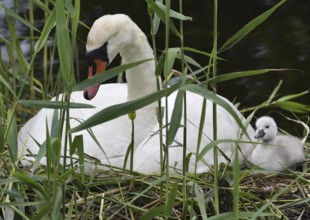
259,134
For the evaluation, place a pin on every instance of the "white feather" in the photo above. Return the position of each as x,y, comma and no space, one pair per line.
276,152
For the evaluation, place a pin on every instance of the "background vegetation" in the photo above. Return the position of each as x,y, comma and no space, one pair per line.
52,192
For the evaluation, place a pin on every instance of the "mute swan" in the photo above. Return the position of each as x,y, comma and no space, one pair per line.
110,35
275,152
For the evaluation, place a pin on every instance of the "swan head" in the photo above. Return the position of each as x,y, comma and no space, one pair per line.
108,36
266,128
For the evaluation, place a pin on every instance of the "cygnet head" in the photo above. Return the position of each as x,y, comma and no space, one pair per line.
108,36
266,128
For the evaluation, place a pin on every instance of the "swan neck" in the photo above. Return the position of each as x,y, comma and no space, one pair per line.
141,79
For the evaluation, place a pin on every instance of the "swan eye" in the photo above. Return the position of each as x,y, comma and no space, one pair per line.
267,126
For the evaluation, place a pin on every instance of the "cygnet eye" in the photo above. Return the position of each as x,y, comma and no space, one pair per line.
267,126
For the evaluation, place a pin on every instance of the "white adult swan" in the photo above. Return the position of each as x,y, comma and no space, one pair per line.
110,35
275,152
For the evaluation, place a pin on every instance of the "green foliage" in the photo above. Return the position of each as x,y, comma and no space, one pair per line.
60,190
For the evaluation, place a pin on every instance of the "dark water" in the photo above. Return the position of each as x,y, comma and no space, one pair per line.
283,41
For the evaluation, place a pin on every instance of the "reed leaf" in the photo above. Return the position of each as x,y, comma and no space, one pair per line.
236,75
52,104
49,154
162,16
77,145
108,74
249,27
171,198
75,20
175,117
42,213
12,134
290,106
31,183
152,213
169,60
201,201
56,211
243,215
63,40
41,5
19,18
172,13
211,55
23,63
214,143
49,25
236,183
115,111
292,96
216,99
4,82
2,132
41,154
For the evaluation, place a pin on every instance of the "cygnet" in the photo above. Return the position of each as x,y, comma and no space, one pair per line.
275,152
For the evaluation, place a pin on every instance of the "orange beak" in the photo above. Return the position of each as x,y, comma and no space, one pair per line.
100,66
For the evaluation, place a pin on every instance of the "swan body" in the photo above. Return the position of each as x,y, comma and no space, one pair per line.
275,152
110,35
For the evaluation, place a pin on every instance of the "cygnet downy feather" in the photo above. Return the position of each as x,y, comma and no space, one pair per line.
275,152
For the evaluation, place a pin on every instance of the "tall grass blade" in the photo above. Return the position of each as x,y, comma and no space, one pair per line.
2,124
49,154
4,82
12,135
236,75
100,78
212,144
56,212
249,27
169,61
290,106
201,201
155,22
216,99
43,212
162,16
171,199
55,124
122,109
236,184
211,55
41,154
2,132
152,213
243,215
23,63
49,25
41,5
31,183
78,145
176,117
19,18
172,13
52,104
63,40
292,96
75,20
